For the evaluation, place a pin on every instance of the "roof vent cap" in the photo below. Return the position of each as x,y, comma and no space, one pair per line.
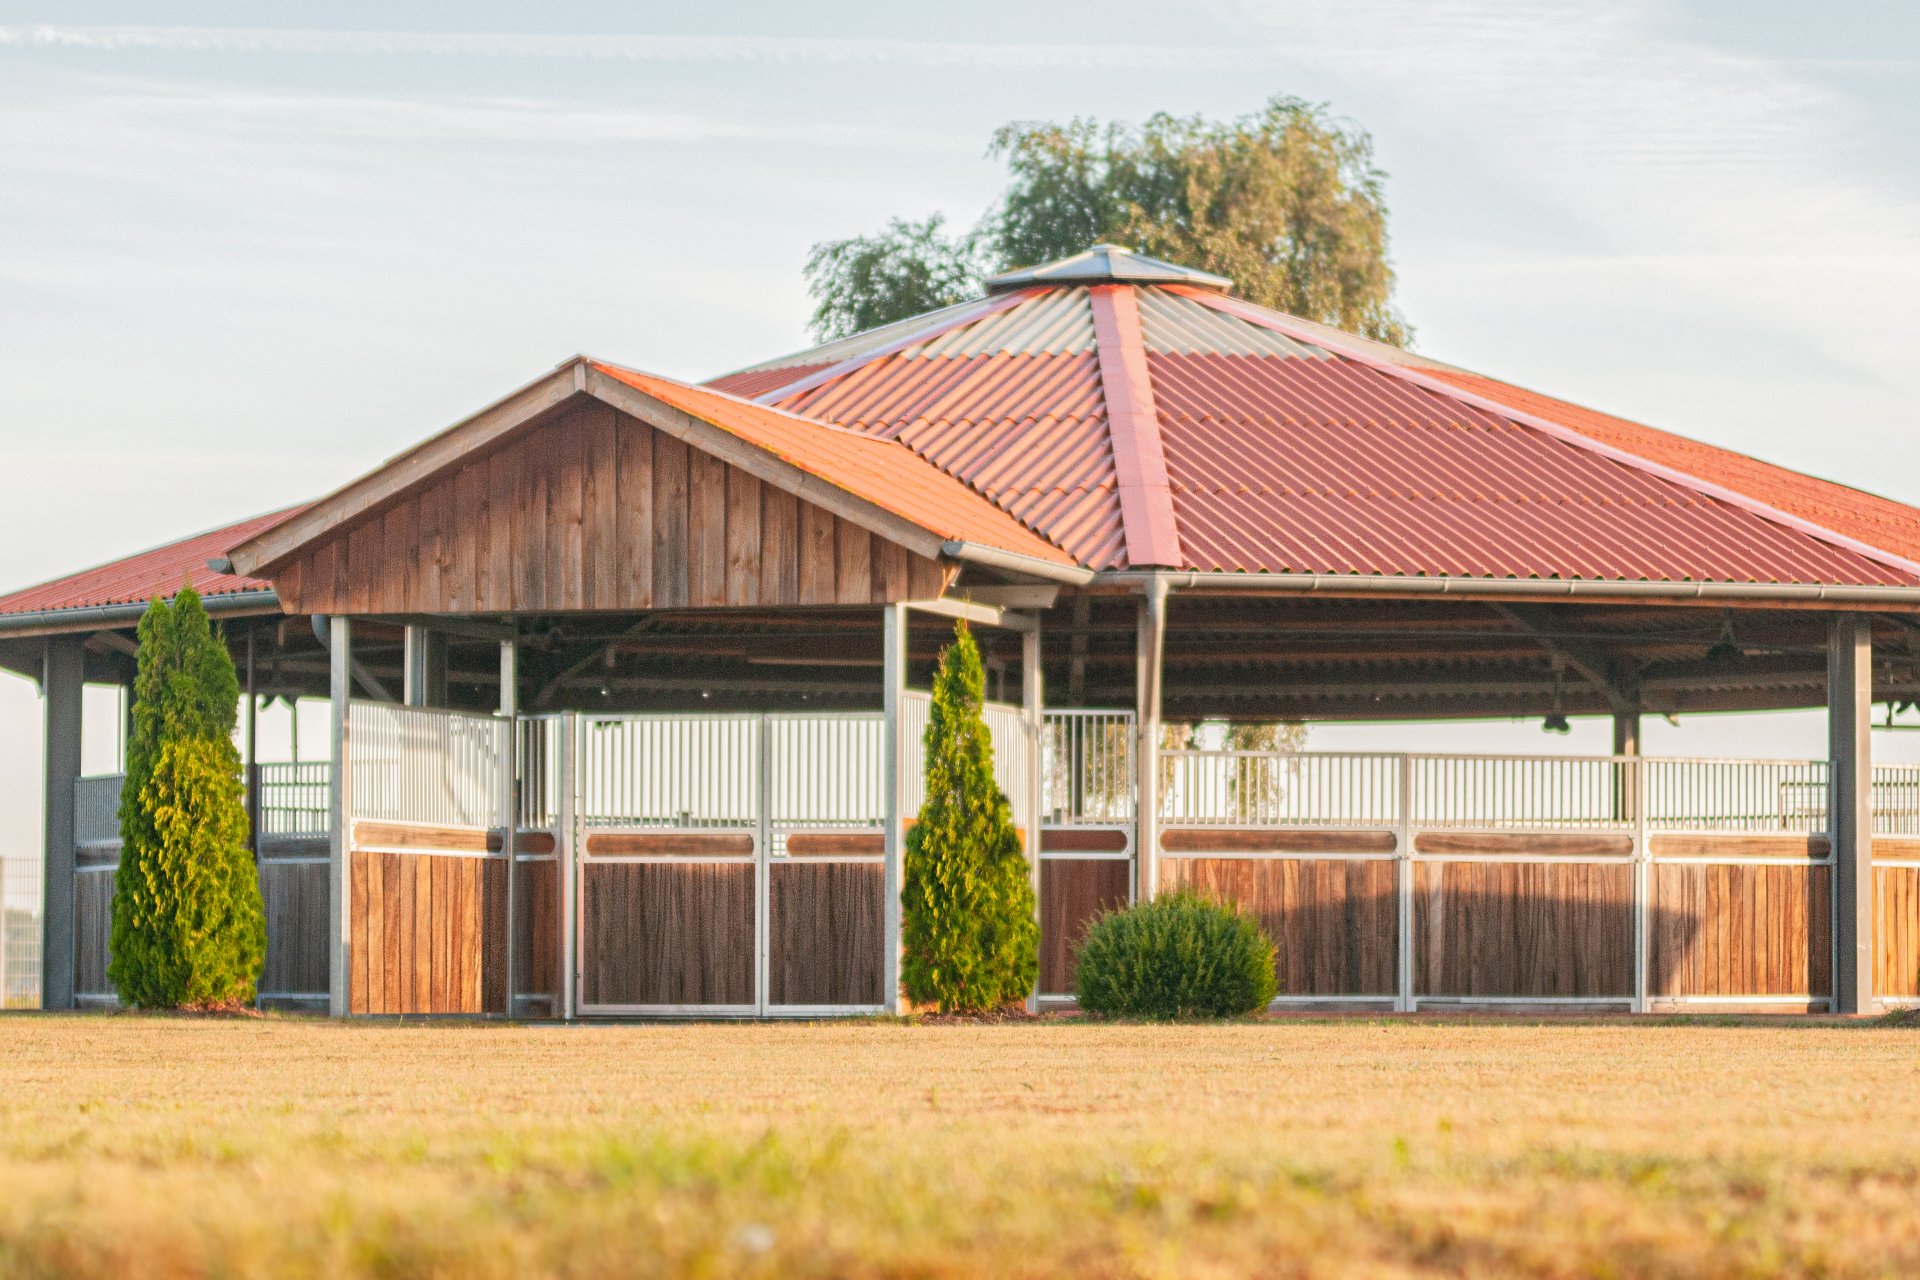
1106,264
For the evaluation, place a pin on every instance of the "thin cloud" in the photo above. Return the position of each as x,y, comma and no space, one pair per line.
807,50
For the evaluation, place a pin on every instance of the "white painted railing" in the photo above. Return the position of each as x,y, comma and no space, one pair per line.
416,764
96,808
295,797
1087,768
674,771
1267,788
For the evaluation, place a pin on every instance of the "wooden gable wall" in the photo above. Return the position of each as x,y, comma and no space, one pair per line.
592,509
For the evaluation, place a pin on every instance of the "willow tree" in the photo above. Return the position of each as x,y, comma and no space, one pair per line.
1287,202
969,939
188,926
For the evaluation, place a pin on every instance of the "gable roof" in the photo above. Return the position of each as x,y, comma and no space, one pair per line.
1100,393
877,484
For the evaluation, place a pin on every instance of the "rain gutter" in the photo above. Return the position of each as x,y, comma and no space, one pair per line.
1014,562
114,615
1544,588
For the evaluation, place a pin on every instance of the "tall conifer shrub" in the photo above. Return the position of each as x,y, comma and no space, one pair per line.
188,925
968,929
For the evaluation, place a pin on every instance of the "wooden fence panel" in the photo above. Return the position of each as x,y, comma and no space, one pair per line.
1739,930
427,933
537,938
92,932
1517,929
663,934
1072,892
1334,922
1896,927
824,933
295,896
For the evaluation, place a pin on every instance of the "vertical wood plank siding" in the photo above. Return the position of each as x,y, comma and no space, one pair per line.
1896,929
591,509
92,932
428,933
1740,930
1334,922
295,896
1523,929
661,934
538,926
1072,892
824,932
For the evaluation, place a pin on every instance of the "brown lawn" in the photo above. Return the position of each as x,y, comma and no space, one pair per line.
132,1145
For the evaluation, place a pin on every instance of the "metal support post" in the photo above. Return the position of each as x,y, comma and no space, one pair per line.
1405,1001
339,805
1150,646
570,878
509,809
762,864
1032,699
62,683
1850,808
894,757
1642,879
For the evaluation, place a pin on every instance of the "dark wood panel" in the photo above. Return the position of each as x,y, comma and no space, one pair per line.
824,933
830,844
1334,924
657,933
1534,844
590,509
1261,840
1896,931
673,844
92,932
1072,892
1706,845
1081,840
427,934
1521,929
537,934
295,896
1739,931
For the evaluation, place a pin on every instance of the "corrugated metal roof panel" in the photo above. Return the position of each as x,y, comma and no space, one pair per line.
1028,431
157,572
876,469
1050,322
1178,325
752,382
1329,466
1851,512
866,340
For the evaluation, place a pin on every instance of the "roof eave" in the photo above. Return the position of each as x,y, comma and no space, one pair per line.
1759,594
92,617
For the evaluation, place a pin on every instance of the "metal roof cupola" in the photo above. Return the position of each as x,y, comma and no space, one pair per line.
1106,264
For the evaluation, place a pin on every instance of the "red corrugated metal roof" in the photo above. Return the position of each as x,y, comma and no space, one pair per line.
158,572
881,471
1294,447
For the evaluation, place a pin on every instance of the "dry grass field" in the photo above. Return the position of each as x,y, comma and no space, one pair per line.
176,1147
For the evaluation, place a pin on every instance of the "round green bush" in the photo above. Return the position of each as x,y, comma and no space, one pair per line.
1178,956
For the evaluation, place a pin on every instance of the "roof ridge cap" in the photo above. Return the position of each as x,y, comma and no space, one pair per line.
1569,435
1147,518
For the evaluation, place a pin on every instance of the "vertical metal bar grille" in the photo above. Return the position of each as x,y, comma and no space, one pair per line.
417,764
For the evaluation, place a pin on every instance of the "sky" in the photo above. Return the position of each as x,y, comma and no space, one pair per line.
248,251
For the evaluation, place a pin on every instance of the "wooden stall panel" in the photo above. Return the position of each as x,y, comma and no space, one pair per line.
824,933
428,934
1072,892
657,933
92,933
1896,930
537,939
295,896
1523,929
1334,922
1739,930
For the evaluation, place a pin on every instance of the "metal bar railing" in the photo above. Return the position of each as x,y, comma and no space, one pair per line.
1087,773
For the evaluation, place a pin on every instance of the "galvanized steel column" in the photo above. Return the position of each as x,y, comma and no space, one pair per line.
894,757
1850,808
63,677
509,768
1149,651
339,869
1032,696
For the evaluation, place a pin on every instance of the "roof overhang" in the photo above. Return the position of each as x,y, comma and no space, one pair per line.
46,622
1762,595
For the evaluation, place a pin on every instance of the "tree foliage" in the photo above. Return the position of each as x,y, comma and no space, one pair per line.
188,925
1286,202
969,937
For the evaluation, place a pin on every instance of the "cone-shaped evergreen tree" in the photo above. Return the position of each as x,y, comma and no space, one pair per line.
188,926
967,919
